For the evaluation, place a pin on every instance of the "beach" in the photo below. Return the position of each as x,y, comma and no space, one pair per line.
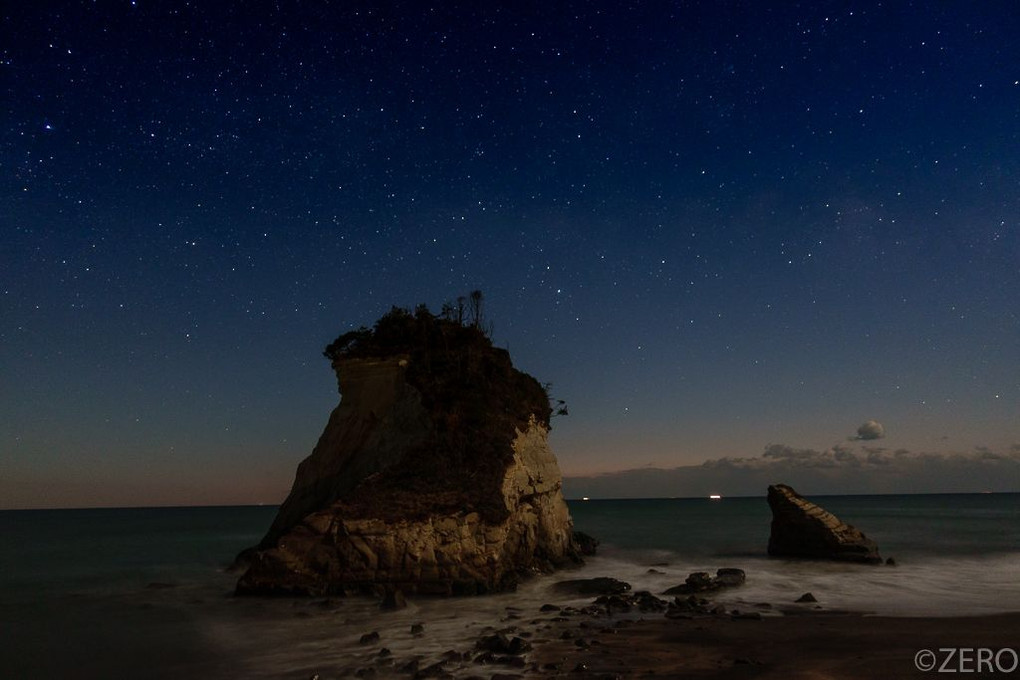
585,641
144,592
167,633
812,646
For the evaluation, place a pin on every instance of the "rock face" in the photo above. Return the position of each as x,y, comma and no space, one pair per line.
379,417
433,475
802,529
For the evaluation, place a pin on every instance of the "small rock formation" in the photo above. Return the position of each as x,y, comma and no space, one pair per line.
802,529
433,475
642,600
702,582
586,544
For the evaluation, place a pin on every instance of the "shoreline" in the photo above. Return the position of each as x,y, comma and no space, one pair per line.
812,645
584,641
556,636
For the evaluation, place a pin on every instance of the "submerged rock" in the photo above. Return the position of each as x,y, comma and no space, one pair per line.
433,475
802,529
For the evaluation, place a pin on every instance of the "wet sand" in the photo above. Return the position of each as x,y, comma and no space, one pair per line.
807,646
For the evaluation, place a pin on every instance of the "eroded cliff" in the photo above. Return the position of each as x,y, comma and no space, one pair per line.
433,475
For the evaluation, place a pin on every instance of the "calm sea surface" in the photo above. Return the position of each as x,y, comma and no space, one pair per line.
113,593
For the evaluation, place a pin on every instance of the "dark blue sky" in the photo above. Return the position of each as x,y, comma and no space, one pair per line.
712,226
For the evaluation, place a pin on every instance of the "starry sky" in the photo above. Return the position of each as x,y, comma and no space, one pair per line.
714,227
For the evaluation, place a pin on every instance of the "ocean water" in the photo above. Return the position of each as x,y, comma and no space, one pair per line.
956,554
120,593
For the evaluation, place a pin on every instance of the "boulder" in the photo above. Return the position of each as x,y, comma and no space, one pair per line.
587,545
730,576
702,582
432,476
802,529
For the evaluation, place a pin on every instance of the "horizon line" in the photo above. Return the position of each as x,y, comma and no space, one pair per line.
580,499
807,495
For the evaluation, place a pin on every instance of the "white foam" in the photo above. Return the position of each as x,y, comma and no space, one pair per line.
270,638
951,586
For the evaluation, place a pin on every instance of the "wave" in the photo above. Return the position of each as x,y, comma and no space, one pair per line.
936,586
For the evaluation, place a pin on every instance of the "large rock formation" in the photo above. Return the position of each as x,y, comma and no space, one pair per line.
433,475
802,529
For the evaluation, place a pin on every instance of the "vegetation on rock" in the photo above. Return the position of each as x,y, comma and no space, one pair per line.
476,401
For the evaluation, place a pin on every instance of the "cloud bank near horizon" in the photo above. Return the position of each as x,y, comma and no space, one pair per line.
841,469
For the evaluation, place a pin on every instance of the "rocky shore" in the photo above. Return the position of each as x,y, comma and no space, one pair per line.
618,633
817,644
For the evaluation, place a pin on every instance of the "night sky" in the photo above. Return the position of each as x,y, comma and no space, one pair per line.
712,226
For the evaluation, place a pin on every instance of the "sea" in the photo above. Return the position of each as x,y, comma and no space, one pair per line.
146,592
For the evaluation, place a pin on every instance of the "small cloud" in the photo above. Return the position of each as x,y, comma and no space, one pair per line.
870,430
